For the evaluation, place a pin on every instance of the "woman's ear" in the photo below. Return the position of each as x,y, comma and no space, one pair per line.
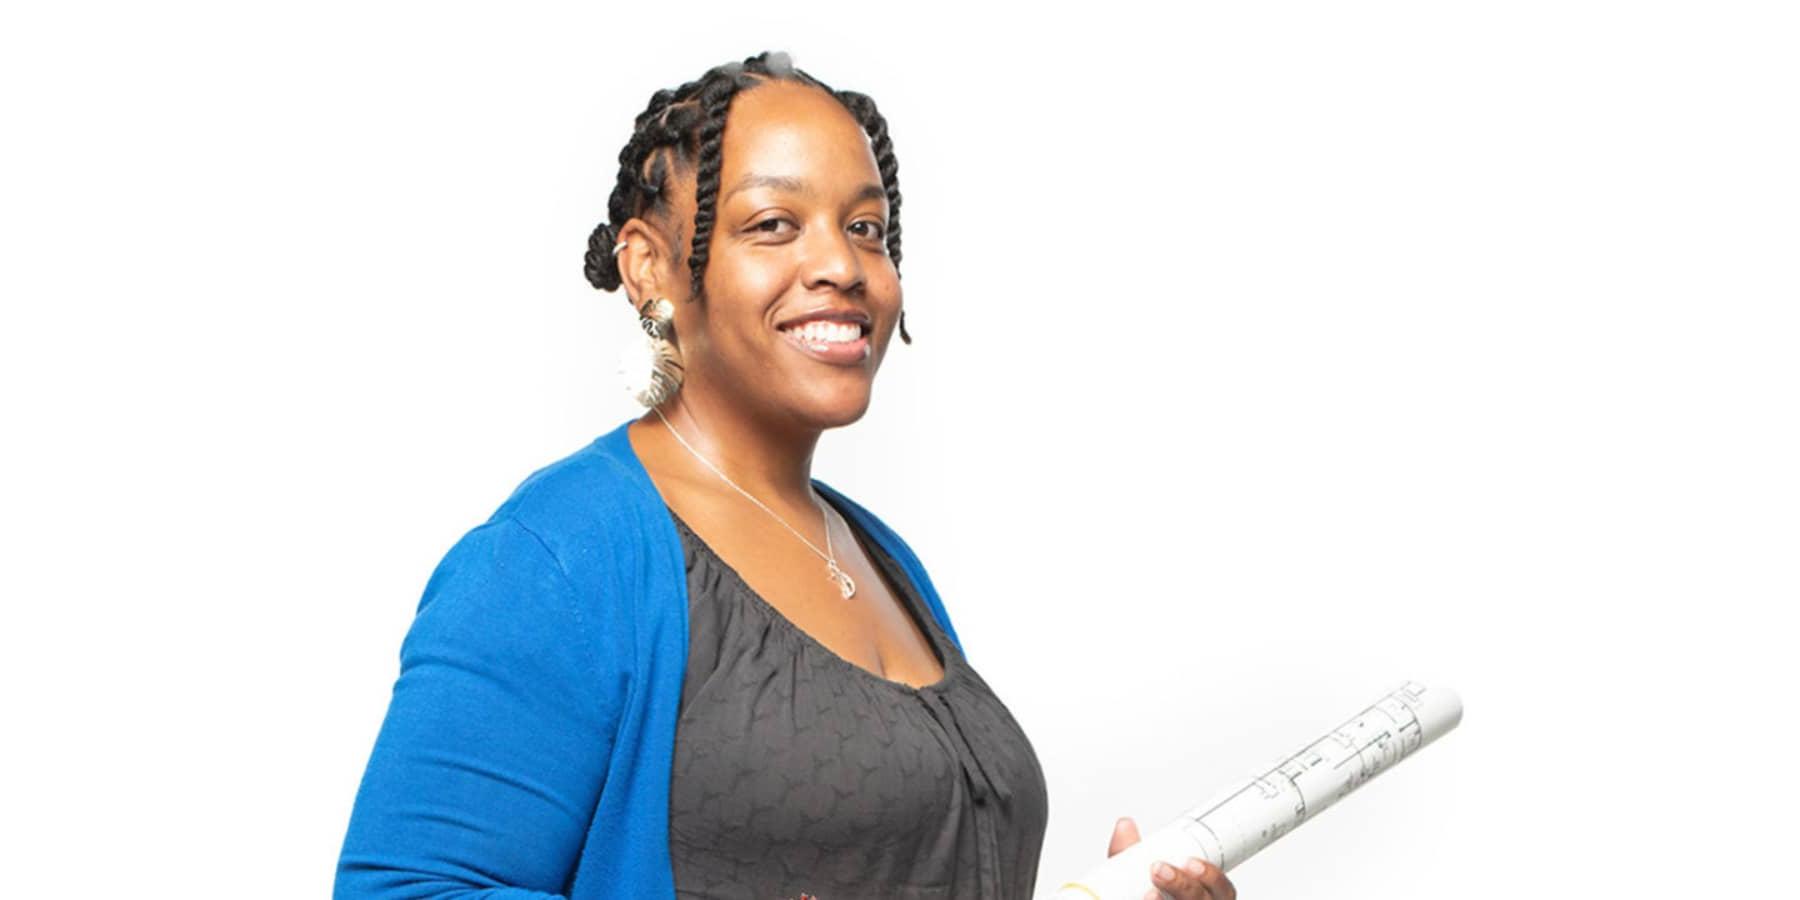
646,262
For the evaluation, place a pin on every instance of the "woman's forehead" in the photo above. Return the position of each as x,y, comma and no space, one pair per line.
786,135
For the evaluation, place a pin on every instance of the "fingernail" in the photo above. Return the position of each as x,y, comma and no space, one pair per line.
1163,872
1196,867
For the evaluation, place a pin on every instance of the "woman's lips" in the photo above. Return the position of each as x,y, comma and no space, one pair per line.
839,353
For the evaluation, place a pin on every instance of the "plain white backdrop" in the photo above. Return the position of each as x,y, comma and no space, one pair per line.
1267,356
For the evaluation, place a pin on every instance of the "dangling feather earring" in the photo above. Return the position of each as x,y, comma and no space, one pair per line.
651,367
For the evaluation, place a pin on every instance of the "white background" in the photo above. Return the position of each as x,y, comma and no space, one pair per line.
1267,355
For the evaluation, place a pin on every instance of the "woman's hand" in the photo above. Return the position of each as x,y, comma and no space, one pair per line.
1194,879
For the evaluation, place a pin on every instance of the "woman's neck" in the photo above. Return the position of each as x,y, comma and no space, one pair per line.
772,464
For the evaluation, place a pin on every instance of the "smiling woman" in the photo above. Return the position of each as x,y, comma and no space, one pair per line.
673,663
799,245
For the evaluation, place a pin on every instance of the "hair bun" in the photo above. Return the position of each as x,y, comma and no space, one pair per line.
601,266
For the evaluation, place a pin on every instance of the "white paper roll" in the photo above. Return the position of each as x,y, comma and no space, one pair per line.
1272,801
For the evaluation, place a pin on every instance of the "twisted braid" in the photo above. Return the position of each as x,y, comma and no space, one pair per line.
875,126
715,100
636,191
683,129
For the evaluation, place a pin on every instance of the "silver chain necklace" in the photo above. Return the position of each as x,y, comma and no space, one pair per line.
841,578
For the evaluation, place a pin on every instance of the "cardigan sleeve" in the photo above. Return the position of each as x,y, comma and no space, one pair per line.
490,761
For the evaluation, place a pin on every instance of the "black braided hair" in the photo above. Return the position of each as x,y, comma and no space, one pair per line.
685,127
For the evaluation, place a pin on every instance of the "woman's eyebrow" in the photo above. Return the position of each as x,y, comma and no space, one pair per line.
869,192
794,185
779,182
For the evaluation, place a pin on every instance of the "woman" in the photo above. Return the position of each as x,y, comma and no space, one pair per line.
672,663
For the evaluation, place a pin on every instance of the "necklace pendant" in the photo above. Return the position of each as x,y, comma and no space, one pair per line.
845,585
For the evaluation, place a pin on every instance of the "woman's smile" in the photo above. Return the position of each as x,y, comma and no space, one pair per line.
836,343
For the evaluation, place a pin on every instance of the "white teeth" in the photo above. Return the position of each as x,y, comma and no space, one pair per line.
827,332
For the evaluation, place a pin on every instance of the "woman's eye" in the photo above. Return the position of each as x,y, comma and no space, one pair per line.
772,226
871,229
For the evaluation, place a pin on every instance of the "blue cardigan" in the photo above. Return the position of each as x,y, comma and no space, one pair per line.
527,744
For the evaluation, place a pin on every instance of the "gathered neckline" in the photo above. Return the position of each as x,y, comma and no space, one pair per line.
906,595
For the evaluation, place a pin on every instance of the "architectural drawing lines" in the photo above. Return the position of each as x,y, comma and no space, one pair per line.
1269,803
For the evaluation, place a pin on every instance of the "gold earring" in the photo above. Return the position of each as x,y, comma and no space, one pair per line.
652,368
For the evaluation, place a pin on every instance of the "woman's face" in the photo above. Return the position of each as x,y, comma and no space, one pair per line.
800,229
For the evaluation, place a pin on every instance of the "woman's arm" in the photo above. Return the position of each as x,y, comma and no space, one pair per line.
490,761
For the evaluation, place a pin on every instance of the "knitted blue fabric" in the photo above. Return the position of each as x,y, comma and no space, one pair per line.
527,745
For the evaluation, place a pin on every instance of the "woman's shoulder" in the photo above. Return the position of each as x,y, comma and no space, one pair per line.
574,546
594,509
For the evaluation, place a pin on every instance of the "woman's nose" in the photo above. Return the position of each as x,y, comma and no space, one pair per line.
831,260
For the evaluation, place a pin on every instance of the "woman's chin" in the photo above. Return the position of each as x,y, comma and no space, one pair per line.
835,408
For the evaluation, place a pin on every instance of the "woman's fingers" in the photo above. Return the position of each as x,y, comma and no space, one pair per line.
1212,878
1221,887
1124,834
1177,883
1194,880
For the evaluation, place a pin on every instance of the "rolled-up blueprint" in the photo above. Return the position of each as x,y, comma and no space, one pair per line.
1241,820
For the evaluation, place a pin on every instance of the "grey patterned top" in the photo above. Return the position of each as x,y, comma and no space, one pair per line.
798,773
